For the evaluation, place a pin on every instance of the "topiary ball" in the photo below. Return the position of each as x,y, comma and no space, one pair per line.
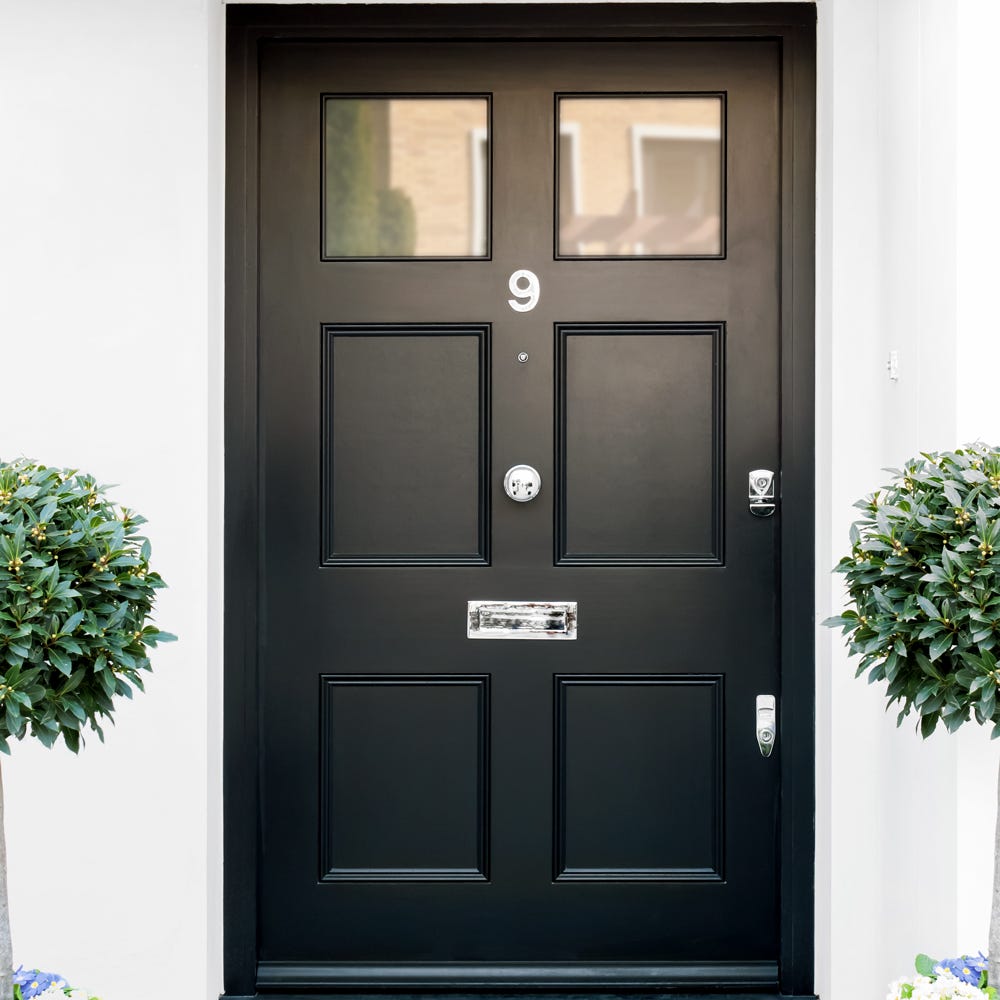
923,579
76,598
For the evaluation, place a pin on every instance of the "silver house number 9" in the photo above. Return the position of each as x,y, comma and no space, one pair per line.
525,288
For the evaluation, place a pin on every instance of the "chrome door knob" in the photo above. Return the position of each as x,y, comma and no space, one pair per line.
522,483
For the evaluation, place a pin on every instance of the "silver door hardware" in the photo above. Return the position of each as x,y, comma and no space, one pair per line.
522,356
522,620
526,290
522,483
761,495
767,723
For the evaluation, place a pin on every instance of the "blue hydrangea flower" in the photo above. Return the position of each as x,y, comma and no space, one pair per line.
34,982
966,967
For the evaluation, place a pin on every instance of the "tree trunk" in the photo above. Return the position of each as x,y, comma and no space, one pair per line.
6,950
994,948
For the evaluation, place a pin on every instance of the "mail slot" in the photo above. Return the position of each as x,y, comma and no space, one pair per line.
522,620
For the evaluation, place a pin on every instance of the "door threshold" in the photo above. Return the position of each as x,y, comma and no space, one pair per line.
517,978
461,995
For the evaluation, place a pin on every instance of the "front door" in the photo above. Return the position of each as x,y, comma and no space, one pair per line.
476,256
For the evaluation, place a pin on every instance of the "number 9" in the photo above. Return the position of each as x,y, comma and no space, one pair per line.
524,287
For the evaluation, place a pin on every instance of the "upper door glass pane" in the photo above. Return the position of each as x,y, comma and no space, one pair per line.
641,176
406,177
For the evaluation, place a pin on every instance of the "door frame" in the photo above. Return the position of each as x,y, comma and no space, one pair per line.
793,26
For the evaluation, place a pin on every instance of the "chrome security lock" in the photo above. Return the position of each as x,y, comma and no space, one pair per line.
767,723
761,493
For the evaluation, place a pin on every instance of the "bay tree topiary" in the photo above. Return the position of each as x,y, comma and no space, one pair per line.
351,189
76,598
397,224
923,584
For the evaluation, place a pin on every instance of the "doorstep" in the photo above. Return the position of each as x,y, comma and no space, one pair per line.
458,995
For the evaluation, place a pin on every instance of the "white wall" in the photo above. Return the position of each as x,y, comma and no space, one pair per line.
110,299
110,276
905,848
978,413
850,881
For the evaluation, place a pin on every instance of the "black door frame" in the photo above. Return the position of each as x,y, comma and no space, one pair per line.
793,25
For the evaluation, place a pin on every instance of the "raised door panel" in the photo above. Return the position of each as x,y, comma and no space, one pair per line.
405,444
404,778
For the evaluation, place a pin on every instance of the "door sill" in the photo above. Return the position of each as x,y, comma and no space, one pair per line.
560,977
464,995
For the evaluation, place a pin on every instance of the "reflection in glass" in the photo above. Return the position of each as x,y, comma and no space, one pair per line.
640,176
406,177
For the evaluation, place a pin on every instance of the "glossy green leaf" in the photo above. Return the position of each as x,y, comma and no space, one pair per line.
922,575
80,592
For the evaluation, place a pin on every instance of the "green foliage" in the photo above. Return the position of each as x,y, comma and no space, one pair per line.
923,578
397,224
924,964
351,200
76,595
364,218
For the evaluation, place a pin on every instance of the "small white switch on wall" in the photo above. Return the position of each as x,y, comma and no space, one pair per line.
893,366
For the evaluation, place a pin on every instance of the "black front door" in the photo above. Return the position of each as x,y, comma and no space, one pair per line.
586,807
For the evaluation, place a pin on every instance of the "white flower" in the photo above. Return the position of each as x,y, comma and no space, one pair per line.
55,992
945,987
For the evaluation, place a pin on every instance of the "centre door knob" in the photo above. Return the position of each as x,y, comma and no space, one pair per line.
522,483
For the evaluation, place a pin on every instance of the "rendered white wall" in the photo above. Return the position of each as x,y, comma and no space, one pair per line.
873,916
904,261
978,404
849,880
110,237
